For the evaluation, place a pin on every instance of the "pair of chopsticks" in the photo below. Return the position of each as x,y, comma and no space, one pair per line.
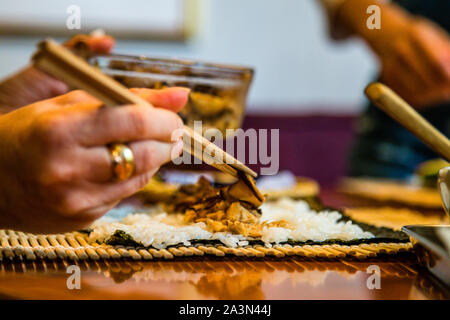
61,63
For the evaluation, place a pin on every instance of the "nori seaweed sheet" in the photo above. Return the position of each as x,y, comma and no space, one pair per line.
382,234
122,238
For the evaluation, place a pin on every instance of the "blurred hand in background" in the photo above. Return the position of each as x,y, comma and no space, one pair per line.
414,52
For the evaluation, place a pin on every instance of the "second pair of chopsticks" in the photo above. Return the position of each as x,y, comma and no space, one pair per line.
61,63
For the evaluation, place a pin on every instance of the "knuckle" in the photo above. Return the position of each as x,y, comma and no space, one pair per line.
71,203
137,121
170,119
78,93
49,130
67,205
143,179
76,96
148,160
170,127
177,135
174,121
57,171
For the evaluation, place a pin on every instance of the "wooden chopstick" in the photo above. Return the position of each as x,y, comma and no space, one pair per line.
61,63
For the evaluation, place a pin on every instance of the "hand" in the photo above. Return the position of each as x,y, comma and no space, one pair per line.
416,64
55,166
30,85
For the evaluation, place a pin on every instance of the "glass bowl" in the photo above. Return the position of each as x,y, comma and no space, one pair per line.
218,92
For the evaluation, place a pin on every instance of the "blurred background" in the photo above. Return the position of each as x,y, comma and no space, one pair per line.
305,85
298,69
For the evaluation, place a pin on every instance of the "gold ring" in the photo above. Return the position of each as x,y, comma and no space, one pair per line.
122,159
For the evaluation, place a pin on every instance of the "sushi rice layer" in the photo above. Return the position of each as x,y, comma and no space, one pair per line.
160,230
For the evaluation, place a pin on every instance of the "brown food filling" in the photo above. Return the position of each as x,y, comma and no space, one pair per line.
232,208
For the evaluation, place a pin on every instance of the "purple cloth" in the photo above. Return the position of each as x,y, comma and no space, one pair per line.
314,146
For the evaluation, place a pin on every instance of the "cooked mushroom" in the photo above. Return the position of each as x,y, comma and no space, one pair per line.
232,208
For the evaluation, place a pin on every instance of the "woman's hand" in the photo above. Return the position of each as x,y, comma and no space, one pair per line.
56,169
30,85
416,64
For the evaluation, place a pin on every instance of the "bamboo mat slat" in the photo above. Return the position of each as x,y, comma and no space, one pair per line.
76,246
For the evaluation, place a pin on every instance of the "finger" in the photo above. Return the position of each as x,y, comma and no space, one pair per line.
123,124
152,154
390,76
148,154
118,190
409,84
406,77
411,79
95,213
420,74
173,99
88,197
84,201
435,47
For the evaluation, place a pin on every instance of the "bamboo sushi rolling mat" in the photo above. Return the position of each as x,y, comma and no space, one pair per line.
76,246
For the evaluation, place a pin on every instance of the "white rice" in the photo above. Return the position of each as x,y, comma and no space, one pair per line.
161,230
306,224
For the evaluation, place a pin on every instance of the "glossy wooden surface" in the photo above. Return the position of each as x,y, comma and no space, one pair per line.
229,278
224,279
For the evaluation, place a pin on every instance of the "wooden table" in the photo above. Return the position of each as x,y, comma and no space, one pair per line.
225,278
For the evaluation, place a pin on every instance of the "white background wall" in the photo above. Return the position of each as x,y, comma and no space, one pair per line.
297,67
